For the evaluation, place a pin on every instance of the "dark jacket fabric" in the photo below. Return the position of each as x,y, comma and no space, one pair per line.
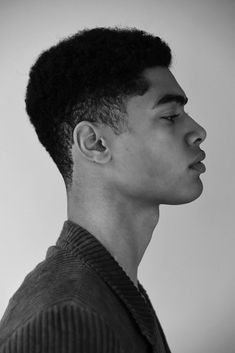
80,300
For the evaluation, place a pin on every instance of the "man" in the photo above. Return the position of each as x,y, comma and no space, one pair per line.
110,113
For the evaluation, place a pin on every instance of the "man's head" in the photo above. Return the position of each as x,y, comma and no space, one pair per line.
90,99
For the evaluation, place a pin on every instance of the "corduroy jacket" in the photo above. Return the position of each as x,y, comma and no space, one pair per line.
80,300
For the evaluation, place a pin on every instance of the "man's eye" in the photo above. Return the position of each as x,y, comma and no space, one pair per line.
170,117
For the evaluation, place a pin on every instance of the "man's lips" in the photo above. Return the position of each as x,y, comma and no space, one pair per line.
199,167
198,159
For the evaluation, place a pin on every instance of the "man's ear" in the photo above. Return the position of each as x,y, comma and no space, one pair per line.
90,144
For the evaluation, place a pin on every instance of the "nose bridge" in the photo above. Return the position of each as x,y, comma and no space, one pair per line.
196,132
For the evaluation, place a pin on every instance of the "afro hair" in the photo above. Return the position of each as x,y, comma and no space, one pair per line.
87,77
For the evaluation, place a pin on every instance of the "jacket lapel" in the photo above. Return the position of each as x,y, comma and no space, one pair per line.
79,241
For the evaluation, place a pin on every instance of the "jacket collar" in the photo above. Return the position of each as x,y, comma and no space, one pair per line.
78,240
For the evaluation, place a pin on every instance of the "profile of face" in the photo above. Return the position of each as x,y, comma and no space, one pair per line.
151,161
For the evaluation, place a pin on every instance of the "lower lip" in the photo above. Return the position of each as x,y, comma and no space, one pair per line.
198,167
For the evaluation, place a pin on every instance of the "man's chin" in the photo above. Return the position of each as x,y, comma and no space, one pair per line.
186,196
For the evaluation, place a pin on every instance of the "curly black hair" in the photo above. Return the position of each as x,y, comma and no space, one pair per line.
88,76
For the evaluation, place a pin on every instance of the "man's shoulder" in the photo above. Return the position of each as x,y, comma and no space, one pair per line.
63,281
62,327
59,278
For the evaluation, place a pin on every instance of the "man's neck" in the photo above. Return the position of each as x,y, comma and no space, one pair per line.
124,229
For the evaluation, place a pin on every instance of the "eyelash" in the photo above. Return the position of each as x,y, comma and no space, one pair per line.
171,118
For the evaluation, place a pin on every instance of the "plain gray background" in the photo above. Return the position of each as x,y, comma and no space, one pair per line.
188,269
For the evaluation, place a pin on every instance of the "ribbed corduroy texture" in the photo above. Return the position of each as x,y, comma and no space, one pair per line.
63,329
80,300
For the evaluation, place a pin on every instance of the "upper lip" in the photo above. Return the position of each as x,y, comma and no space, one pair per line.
199,158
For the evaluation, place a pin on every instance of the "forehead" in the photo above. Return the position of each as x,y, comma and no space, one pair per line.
162,81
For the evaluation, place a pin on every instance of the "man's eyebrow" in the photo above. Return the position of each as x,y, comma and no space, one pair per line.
168,98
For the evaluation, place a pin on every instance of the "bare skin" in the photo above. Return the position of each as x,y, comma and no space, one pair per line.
120,181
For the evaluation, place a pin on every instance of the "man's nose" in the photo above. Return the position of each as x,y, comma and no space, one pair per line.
196,135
